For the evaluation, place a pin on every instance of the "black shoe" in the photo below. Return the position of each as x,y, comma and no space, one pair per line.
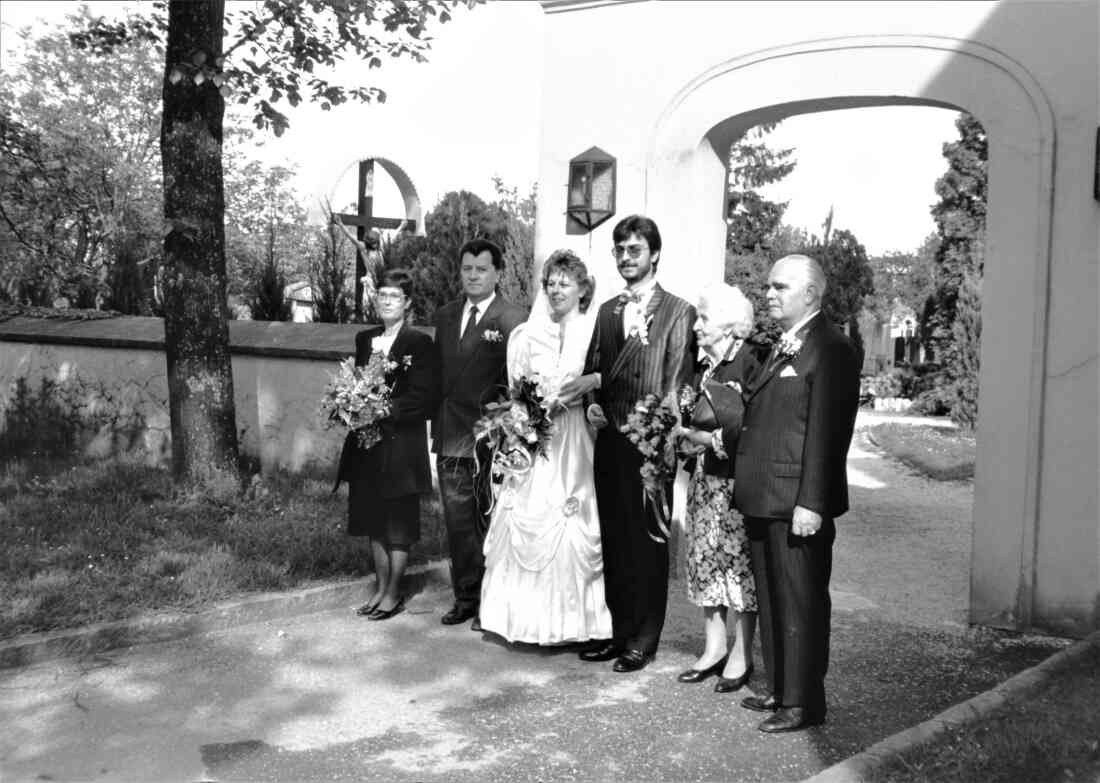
698,675
603,651
458,614
385,614
791,719
731,684
475,626
366,609
765,703
632,661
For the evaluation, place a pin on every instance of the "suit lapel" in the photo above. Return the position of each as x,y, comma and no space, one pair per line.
471,347
774,362
633,345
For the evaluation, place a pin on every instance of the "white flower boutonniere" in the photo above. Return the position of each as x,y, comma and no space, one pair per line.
789,347
492,336
406,361
640,330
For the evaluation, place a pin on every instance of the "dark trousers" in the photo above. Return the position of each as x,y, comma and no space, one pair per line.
635,567
465,494
792,592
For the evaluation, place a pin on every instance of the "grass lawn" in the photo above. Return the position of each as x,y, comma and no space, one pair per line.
942,454
84,542
1052,735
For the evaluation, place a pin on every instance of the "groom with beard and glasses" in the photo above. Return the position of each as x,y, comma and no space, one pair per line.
800,410
642,344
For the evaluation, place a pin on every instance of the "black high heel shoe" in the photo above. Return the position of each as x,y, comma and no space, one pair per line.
385,614
366,609
698,675
731,684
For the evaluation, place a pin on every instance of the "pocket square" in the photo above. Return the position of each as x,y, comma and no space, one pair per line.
788,372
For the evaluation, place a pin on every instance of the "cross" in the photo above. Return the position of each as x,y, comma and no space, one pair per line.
364,220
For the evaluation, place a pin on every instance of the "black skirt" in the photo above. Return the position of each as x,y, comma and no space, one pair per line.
391,521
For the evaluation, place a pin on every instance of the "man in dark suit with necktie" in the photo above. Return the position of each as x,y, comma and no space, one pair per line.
800,411
471,335
643,343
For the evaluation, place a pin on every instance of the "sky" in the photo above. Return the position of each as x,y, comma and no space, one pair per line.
875,168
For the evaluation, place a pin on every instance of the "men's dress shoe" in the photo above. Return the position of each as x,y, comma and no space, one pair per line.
475,626
458,614
604,651
731,684
766,703
698,675
791,719
632,661
386,614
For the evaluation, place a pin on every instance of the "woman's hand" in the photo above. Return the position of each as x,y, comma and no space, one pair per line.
690,440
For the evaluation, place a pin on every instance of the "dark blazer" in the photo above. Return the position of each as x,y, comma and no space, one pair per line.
474,371
740,369
798,425
630,370
398,464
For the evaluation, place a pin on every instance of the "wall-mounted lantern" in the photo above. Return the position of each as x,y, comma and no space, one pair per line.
591,197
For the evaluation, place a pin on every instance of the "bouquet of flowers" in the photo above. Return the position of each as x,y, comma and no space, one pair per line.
649,427
516,428
359,397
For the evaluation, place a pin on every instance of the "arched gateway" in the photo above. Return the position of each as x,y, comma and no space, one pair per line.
1035,556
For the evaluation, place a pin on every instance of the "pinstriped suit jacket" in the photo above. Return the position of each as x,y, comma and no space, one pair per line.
630,370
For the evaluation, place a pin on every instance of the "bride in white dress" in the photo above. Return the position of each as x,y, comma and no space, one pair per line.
543,579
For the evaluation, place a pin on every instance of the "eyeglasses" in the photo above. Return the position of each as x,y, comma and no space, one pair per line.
634,251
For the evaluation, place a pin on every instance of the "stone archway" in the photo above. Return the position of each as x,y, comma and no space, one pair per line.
686,164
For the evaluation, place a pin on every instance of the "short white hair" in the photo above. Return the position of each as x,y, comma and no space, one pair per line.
809,269
727,305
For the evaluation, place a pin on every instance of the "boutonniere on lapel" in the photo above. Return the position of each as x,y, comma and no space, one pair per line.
492,336
640,329
789,347
407,361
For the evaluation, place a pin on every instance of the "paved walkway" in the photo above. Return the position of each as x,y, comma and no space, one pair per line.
329,696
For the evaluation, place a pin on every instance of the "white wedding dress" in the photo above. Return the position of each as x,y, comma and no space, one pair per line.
543,579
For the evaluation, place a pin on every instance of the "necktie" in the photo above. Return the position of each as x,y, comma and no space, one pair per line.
471,322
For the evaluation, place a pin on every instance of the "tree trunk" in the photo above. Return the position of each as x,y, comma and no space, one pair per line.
196,330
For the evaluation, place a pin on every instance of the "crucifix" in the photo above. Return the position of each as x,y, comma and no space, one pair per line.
364,220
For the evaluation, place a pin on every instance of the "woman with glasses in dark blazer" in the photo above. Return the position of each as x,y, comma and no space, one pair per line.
385,481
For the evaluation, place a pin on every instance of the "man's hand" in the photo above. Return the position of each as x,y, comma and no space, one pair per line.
805,522
595,417
577,388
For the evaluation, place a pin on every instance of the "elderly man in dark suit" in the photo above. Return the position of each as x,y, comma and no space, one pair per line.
471,335
791,486
642,344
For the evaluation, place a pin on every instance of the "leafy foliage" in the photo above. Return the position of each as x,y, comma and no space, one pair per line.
283,51
79,174
331,262
951,317
751,218
458,217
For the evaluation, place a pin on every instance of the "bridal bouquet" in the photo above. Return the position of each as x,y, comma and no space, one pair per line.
517,428
359,397
649,427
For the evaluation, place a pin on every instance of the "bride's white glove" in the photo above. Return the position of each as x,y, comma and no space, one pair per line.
596,417
578,387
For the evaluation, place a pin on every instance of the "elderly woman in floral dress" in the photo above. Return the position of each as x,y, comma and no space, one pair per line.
719,574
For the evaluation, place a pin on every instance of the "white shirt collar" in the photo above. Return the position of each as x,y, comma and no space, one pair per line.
644,291
790,333
482,306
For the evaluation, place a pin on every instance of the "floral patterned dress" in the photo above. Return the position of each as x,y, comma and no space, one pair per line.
719,572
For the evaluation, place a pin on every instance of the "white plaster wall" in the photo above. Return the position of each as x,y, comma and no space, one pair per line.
645,82
277,399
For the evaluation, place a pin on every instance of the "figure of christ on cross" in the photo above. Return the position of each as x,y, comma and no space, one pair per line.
364,220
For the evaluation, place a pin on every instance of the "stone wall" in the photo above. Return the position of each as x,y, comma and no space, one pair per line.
107,377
